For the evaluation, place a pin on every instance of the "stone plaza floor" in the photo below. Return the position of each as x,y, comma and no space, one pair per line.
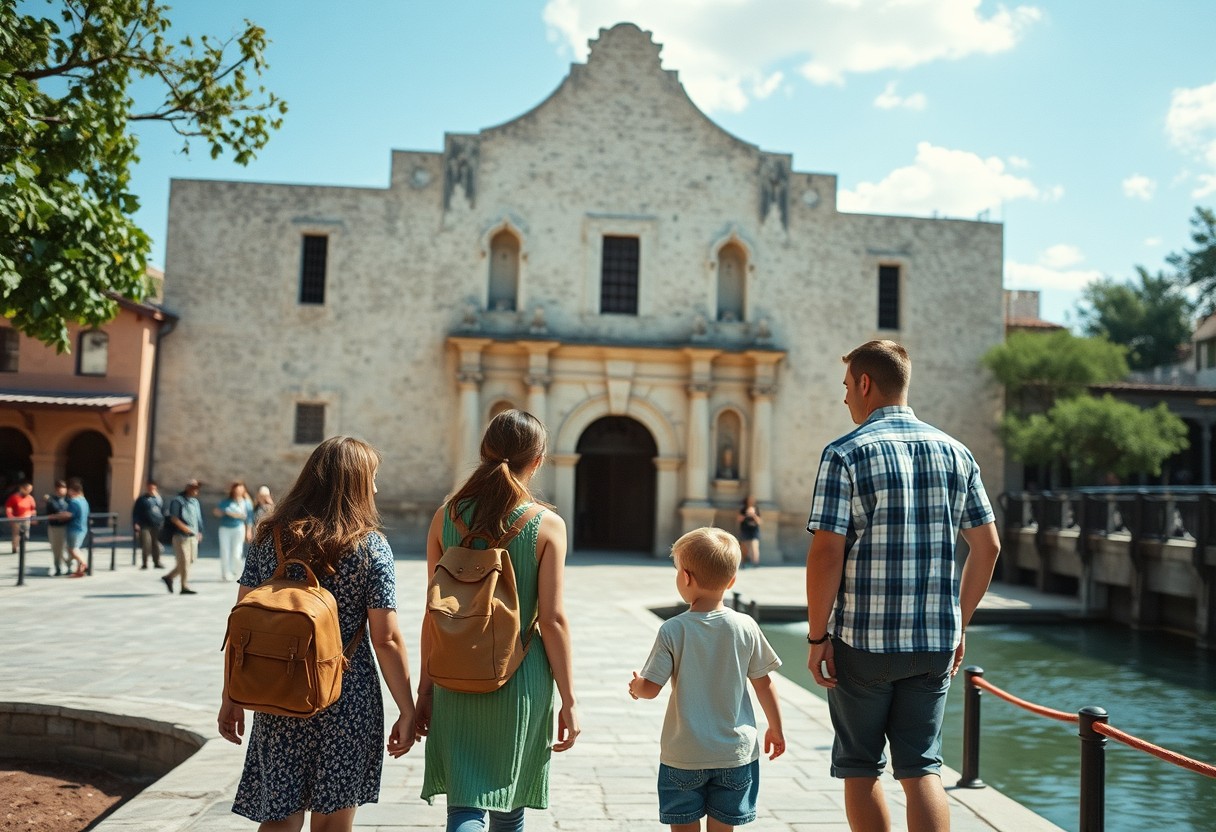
116,642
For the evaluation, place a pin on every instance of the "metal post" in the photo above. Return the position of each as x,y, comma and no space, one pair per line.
753,609
88,533
737,604
113,521
971,730
20,555
1093,770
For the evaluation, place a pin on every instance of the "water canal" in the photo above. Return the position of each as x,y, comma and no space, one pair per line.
1155,686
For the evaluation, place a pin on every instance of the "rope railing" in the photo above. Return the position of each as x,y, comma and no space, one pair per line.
1093,731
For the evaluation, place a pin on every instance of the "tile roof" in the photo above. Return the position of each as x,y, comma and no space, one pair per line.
110,402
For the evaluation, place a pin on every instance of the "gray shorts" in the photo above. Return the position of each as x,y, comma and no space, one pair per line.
888,697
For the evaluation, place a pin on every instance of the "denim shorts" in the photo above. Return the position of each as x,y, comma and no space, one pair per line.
74,539
725,794
898,698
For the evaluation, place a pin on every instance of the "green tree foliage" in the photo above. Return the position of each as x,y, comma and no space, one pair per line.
1152,319
1092,436
67,240
1039,368
1198,267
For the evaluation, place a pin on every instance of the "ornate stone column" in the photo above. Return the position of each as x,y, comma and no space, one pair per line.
563,490
469,426
760,477
537,379
696,508
666,503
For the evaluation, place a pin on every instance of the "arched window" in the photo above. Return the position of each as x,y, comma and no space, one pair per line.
729,436
93,353
732,272
504,271
500,406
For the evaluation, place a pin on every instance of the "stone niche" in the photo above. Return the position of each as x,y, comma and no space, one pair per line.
133,747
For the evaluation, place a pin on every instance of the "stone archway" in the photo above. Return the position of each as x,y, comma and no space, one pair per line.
88,457
16,459
615,486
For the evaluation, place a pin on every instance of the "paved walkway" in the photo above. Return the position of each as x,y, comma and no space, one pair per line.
116,642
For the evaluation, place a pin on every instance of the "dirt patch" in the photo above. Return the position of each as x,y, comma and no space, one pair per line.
55,797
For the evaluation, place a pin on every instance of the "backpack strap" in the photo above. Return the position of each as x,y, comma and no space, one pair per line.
518,526
349,649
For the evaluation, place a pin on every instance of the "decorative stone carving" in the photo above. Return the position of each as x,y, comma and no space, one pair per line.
764,332
470,320
774,188
460,168
700,328
538,325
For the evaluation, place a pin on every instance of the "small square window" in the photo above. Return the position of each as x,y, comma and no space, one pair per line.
10,341
310,423
93,353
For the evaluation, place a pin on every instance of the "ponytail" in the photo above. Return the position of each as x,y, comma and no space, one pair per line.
513,441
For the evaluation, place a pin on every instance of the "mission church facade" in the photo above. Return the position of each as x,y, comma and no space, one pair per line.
670,300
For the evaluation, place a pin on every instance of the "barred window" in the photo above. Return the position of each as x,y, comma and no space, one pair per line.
619,275
92,353
9,346
888,297
312,271
310,423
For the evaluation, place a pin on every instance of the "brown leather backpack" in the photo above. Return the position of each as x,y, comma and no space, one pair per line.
283,649
472,612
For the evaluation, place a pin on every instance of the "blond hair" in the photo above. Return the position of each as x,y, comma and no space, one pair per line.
885,362
711,555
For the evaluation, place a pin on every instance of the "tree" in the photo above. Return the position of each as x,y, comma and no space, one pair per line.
67,241
1152,319
1198,267
1091,436
1039,368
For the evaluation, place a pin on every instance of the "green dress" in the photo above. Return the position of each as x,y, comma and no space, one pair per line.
491,750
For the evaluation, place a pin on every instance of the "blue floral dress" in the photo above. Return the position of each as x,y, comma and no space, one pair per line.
330,761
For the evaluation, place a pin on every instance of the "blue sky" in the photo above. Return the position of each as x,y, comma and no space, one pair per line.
1088,128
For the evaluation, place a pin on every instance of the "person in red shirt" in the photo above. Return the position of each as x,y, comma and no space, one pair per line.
20,504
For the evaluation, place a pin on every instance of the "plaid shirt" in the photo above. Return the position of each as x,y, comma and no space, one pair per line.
899,491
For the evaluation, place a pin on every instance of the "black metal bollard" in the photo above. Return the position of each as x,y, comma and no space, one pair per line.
753,609
737,604
971,730
21,535
88,533
1093,770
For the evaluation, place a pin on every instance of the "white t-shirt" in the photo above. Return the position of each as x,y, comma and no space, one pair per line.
709,656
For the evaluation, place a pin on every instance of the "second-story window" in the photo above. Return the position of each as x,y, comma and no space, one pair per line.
310,423
888,297
619,275
312,271
10,342
93,353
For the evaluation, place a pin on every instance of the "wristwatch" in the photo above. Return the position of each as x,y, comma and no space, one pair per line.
810,640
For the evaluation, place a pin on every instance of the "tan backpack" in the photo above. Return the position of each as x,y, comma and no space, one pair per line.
283,648
472,612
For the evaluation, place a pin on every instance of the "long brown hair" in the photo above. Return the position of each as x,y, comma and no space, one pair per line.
513,441
331,507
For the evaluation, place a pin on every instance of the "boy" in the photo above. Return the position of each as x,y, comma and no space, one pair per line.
709,760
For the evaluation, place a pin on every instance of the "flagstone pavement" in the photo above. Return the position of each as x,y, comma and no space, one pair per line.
116,642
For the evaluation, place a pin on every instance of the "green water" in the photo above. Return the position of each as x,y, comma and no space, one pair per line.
1154,686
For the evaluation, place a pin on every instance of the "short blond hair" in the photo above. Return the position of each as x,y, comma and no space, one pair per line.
711,555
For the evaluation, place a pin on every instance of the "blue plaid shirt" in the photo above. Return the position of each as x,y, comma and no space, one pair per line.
899,491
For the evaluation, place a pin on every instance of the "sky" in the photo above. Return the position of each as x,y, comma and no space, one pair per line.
1086,127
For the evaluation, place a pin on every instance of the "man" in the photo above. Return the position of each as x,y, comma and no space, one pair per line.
186,517
890,500
18,508
76,532
57,511
147,517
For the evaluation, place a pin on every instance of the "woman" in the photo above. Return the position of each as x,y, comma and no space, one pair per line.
518,717
236,529
749,530
263,504
330,763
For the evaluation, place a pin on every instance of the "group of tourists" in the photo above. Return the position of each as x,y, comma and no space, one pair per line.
67,522
886,614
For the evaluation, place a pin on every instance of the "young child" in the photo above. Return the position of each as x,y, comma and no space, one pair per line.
709,759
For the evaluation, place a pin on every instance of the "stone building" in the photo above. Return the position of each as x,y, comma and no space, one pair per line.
669,299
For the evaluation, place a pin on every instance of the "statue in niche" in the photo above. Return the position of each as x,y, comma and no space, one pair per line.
774,189
726,463
460,168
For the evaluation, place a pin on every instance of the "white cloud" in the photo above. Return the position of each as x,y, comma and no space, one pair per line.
1191,127
951,182
1045,278
888,99
1138,186
727,51
1061,256
1152,242
1019,162
769,85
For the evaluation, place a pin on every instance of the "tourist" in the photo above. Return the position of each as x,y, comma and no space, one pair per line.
263,504
236,529
19,508
890,501
329,764
57,509
185,516
147,518
749,530
77,528
709,754
490,751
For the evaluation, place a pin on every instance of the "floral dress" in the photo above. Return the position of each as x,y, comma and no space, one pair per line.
330,761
